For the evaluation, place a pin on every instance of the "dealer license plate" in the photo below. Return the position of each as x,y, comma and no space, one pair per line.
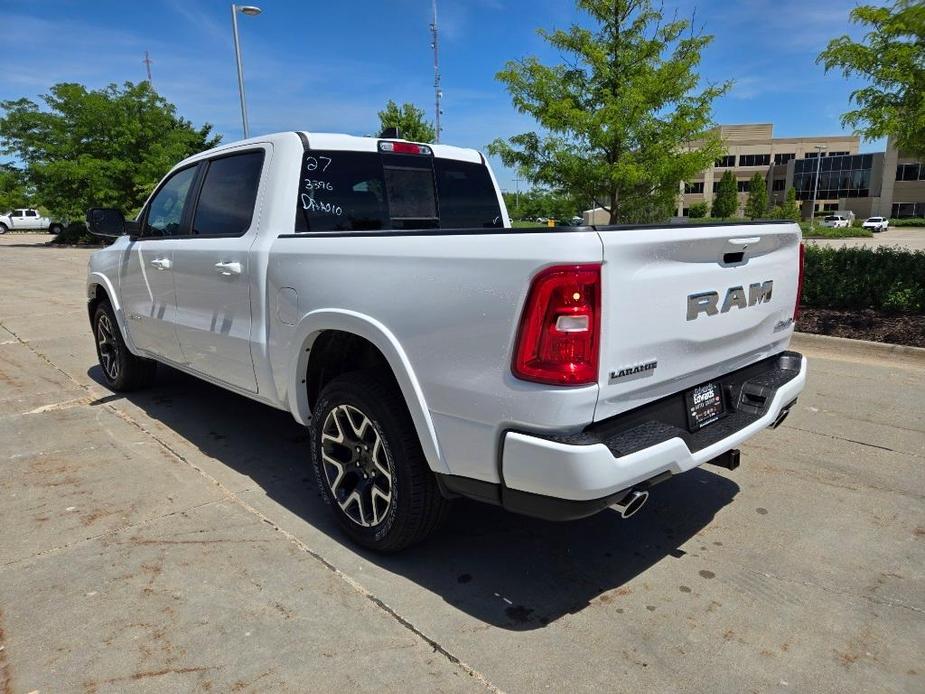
704,405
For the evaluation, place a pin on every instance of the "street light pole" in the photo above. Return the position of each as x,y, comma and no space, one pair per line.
250,11
812,215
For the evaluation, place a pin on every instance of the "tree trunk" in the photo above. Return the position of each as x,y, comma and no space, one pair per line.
614,207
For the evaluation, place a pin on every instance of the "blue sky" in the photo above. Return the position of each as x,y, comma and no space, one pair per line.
330,66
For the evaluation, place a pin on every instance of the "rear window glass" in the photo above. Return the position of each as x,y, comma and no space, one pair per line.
369,191
467,195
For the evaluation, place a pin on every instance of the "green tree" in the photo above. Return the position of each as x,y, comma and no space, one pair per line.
621,120
13,190
106,147
698,210
726,200
790,209
757,204
409,119
891,57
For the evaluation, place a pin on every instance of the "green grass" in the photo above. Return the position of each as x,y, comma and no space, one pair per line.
821,232
520,224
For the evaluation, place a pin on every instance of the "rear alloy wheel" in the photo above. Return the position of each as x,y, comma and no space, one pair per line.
55,229
3,229
369,466
356,465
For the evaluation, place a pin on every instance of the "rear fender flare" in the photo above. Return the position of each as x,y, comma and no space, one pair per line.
313,324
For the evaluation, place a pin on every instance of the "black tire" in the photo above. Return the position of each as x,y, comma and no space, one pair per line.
122,370
55,228
3,229
415,508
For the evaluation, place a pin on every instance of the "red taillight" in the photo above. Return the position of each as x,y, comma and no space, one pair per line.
403,148
796,308
560,328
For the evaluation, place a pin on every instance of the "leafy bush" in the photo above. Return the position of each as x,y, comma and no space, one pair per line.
908,222
698,210
819,231
884,278
76,233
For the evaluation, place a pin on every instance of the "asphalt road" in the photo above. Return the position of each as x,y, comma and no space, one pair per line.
911,238
173,541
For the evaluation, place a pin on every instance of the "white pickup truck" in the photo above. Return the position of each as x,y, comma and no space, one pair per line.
27,219
370,287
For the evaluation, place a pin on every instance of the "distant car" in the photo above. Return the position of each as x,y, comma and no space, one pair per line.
836,221
542,220
876,223
27,219
576,221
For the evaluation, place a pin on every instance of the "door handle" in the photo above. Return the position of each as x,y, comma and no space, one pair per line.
161,263
228,269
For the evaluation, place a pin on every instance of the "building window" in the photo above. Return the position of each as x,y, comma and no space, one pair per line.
715,186
838,154
784,157
779,184
726,161
754,159
743,184
830,207
847,176
693,187
908,209
812,155
685,211
910,172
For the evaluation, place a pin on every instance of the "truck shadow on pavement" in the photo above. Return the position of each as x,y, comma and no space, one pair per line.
505,570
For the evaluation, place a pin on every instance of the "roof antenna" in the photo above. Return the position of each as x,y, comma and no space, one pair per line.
438,93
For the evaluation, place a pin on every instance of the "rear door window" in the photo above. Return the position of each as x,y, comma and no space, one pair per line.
229,193
341,191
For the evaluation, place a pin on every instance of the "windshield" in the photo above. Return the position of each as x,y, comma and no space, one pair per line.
370,191
832,218
875,219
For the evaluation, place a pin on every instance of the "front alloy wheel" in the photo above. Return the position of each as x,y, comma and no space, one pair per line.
108,347
357,468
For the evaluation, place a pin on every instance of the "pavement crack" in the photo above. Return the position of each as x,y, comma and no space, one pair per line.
842,438
886,602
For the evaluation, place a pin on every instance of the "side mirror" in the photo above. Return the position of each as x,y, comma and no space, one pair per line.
105,222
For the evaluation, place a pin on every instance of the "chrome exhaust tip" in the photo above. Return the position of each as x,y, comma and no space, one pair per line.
782,415
631,503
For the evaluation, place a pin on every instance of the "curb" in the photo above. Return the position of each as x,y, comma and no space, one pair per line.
857,347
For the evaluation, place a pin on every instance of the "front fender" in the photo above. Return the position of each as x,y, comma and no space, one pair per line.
95,278
313,324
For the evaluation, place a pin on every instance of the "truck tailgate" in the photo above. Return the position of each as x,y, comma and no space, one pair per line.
686,304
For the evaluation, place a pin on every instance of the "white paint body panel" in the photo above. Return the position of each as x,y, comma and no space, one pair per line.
444,310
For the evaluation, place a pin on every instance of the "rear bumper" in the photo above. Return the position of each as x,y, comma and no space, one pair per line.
573,476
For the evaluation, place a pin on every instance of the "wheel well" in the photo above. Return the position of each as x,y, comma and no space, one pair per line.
335,352
99,296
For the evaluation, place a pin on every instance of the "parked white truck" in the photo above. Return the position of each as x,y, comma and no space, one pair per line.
370,287
27,219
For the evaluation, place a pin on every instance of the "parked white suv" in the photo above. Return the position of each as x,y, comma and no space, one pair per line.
27,219
371,288
836,221
876,223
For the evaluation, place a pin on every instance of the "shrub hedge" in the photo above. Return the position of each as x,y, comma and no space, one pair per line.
884,278
76,234
908,222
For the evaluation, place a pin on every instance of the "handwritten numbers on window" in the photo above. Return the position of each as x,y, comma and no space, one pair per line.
310,204
313,163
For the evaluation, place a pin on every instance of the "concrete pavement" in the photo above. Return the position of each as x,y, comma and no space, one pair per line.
172,540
